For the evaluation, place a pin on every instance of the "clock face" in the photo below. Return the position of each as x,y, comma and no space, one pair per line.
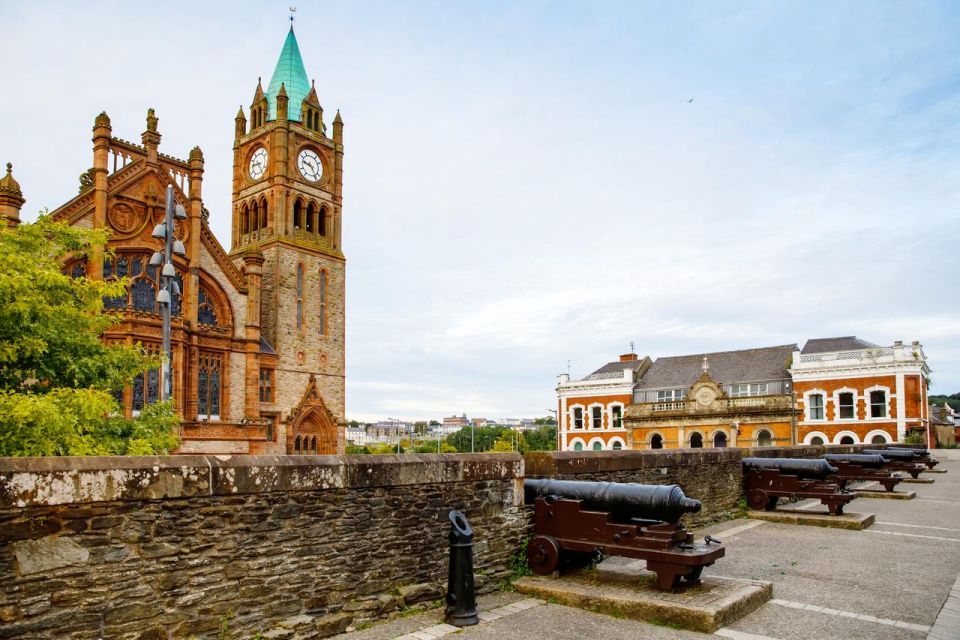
310,165
258,163
705,396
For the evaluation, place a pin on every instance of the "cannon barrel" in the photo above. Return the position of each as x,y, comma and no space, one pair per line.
856,458
902,455
625,499
920,453
809,469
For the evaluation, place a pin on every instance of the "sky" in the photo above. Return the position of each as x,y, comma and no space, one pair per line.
527,184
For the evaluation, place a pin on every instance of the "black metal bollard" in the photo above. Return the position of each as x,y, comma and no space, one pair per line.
461,597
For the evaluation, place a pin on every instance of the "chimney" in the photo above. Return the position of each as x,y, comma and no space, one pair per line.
628,357
898,343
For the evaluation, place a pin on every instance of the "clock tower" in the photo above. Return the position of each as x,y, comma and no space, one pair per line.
287,197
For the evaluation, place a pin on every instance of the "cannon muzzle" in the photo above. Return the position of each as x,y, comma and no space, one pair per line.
809,469
624,499
863,460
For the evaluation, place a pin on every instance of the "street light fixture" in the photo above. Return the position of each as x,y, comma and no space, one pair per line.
168,284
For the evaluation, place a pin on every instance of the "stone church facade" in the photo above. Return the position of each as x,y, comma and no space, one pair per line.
258,331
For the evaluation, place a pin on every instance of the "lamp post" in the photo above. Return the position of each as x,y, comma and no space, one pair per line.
168,283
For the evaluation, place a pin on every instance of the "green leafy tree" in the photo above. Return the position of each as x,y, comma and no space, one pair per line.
953,400
543,439
56,374
420,428
355,449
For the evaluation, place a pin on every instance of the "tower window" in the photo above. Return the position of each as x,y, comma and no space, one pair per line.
209,386
244,220
299,297
311,212
263,214
297,214
323,302
254,216
322,223
266,385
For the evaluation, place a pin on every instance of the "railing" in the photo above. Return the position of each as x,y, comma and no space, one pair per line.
861,354
610,375
669,406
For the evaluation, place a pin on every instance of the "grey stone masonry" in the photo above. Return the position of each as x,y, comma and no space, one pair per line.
182,546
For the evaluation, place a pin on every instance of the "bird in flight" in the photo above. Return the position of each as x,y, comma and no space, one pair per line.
690,100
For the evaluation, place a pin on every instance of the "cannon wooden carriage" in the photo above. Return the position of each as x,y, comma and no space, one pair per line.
868,468
899,460
576,522
769,479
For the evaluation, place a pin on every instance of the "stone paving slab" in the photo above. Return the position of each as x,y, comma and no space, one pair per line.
715,603
885,495
919,480
856,521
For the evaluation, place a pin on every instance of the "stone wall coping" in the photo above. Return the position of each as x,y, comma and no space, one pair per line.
79,480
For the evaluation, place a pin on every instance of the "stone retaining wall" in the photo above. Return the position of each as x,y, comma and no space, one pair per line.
180,546
288,546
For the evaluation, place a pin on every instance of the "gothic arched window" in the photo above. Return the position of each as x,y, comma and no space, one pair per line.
206,312
254,216
311,212
322,223
263,214
297,214
209,385
244,220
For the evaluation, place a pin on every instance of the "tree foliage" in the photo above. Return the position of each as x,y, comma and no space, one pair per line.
953,400
543,439
56,374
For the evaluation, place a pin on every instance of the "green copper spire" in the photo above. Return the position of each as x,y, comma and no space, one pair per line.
290,73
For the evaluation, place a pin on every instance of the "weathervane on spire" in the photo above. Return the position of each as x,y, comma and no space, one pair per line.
293,10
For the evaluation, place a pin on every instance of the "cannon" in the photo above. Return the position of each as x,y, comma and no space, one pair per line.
868,468
769,479
921,456
899,460
575,522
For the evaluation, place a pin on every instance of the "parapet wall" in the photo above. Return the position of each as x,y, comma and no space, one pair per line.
181,545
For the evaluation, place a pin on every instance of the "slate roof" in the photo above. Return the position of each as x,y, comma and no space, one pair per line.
615,367
746,365
845,343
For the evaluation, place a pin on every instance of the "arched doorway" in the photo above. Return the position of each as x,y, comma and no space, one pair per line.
696,441
816,440
617,445
764,438
846,440
578,446
719,439
314,429
878,439
598,446
656,441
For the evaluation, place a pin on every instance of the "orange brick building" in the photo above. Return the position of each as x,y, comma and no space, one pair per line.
851,391
257,335
833,391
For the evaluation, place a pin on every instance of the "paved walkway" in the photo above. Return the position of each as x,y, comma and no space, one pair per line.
888,582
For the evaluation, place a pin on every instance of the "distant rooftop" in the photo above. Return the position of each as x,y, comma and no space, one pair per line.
845,343
615,368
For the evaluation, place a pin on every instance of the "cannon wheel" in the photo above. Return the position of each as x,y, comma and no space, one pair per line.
543,555
757,499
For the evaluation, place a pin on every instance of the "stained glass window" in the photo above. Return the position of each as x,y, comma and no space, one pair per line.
78,270
175,305
121,267
153,385
209,383
137,267
144,295
107,268
138,393
206,313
